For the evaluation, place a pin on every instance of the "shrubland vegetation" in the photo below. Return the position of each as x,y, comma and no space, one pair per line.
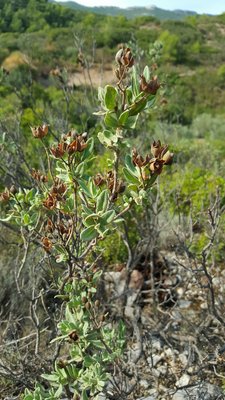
52,258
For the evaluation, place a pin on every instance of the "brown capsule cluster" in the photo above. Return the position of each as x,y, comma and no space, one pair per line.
150,87
50,202
49,227
161,156
71,143
63,229
125,60
84,299
39,131
38,176
56,194
73,336
62,363
46,243
109,180
58,189
5,196
124,57
114,189
138,160
97,303
99,180
59,150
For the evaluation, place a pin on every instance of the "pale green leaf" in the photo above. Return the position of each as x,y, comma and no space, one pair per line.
110,97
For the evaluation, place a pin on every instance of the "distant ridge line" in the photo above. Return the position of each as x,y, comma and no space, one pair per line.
130,12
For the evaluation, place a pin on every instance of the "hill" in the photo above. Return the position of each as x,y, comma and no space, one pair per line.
130,12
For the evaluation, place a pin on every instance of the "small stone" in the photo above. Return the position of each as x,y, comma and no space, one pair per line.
183,359
204,306
216,281
183,381
169,353
190,370
156,344
155,373
154,360
145,384
180,395
184,304
180,292
162,369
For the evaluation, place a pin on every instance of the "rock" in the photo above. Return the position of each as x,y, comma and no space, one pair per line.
156,344
201,391
136,280
162,369
184,380
145,384
153,396
154,360
156,373
183,359
132,312
184,304
204,306
180,395
169,352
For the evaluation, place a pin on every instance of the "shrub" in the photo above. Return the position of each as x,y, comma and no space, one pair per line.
70,209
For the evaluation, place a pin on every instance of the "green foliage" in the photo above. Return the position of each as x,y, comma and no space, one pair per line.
103,180
72,209
90,339
46,40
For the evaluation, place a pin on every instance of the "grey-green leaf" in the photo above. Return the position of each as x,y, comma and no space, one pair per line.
108,216
110,120
102,201
110,97
130,177
89,233
124,117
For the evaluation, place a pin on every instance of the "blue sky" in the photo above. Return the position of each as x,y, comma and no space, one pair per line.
201,6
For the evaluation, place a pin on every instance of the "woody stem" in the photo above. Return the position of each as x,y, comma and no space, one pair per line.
116,166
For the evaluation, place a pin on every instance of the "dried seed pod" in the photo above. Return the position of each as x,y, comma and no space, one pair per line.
73,336
47,244
150,87
102,318
99,180
156,166
59,150
124,57
50,202
88,305
62,363
84,300
13,190
97,303
39,131
138,160
5,196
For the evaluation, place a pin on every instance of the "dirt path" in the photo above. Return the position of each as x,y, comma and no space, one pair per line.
95,76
